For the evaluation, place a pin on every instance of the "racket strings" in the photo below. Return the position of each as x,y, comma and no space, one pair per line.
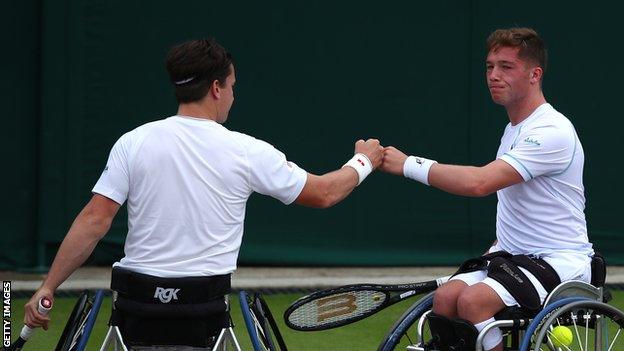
337,307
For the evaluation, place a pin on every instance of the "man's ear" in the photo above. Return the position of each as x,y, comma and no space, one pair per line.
536,75
215,89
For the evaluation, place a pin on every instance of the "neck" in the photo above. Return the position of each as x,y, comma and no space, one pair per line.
199,109
523,109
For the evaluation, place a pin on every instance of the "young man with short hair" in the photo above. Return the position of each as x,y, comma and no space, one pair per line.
187,179
538,178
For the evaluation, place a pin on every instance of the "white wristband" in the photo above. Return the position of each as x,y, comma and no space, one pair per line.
362,165
417,168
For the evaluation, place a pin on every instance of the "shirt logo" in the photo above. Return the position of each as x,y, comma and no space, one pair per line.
532,141
105,168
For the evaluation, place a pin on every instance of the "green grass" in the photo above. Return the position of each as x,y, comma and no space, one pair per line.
363,335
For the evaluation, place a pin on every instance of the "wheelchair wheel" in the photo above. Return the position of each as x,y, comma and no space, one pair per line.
77,318
593,325
262,328
80,323
404,330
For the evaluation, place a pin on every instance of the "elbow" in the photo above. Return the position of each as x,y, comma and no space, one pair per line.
326,199
98,225
480,189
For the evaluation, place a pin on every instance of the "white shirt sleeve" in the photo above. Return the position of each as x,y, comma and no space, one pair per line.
271,174
547,150
114,181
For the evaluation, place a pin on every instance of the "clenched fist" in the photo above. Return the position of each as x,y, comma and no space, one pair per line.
393,161
372,149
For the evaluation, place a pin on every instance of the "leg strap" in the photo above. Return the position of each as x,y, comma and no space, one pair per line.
516,282
480,263
543,271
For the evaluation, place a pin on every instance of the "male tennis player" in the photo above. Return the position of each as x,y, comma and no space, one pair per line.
538,178
187,179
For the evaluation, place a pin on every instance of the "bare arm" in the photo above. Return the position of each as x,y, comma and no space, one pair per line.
473,181
459,180
328,189
88,228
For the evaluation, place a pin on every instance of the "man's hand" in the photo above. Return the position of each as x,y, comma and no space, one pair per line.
372,149
32,317
393,160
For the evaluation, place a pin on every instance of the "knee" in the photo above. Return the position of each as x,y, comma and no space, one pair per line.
445,301
468,304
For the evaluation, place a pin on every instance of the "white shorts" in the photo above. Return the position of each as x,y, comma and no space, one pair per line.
569,266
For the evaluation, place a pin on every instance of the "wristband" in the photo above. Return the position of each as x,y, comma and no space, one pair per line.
417,168
362,165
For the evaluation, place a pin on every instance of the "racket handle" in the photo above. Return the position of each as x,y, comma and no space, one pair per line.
44,307
443,280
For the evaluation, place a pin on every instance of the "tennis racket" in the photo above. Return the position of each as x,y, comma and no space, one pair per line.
44,308
344,305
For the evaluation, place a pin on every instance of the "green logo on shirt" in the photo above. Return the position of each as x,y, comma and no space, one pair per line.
532,141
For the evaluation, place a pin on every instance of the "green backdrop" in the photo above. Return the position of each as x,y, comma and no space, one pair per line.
312,77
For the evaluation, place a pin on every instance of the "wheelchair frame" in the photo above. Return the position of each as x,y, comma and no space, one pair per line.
226,340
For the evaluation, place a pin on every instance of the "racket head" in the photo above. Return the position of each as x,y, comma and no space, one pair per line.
336,307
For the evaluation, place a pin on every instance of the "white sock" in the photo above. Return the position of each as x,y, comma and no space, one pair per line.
493,337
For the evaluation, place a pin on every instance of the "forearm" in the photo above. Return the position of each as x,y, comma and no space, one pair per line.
83,236
328,189
458,180
339,184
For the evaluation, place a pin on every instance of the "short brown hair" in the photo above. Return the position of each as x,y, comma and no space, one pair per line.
194,65
531,46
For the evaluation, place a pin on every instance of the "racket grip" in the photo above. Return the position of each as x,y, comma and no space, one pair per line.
443,280
44,307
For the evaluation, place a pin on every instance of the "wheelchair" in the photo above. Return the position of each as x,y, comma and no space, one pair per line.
576,305
152,313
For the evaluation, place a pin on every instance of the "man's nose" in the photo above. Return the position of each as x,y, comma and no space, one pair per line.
493,74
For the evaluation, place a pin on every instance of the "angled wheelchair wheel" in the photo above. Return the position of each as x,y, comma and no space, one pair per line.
581,325
405,330
80,322
261,326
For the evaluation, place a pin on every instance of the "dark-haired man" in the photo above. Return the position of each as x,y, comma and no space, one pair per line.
187,179
538,177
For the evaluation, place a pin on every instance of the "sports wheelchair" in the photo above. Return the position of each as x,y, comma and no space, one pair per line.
576,305
152,313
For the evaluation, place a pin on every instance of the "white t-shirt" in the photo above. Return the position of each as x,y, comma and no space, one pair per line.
543,214
187,181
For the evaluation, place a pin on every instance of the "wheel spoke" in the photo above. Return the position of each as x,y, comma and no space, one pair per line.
586,316
614,338
573,317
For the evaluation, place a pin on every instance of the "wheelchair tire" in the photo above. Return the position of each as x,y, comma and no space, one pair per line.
581,318
75,323
405,322
261,326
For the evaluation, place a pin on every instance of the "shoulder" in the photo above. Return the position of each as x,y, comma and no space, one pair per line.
551,130
249,142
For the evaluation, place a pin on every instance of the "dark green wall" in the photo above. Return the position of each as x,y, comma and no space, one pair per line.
312,77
